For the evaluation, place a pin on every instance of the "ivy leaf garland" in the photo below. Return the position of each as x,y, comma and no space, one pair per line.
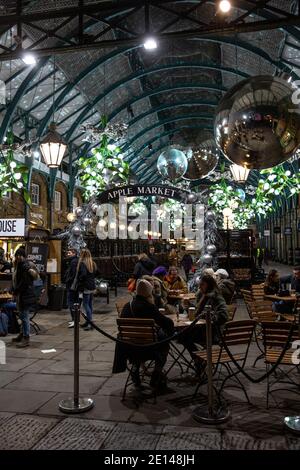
13,175
104,167
277,182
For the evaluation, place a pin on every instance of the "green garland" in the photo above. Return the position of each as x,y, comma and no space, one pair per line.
103,168
13,175
277,182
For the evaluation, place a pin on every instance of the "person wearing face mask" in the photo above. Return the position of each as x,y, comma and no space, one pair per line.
143,306
208,295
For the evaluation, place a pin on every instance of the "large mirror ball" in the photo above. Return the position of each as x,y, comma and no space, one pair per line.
257,123
203,161
172,164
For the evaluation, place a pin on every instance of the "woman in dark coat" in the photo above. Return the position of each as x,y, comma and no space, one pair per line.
143,267
142,306
86,284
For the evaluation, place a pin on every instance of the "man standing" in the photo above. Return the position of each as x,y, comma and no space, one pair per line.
23,288
153,257
73,295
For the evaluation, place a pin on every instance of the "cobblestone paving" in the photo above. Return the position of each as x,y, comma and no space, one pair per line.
32,384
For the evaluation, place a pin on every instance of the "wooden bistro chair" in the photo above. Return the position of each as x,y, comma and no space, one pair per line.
260,311
231,311
235,333
141,331
275,337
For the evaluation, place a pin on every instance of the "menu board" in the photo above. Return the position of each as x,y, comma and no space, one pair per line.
38,253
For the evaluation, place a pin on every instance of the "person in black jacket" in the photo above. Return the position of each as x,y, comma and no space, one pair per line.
86,284
142,306
72,295
143,267
23,288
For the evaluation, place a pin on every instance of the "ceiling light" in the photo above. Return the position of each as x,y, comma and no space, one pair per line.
150,44
239,173
53,147
225,6
29,59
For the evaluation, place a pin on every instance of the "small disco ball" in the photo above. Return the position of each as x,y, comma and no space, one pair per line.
242,194
206,258
76,230
172,164
210,215
211,249
257,122
202,161
78,211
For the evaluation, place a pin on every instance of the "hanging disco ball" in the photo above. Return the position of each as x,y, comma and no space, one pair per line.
87,221
211,249
210,215
257,125
202,161
206,258
78,211
76,231
242,194
94,208
172,164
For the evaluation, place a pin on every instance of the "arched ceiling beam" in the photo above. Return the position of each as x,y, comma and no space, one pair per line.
179,86
238,43
18,95
137,160
166,121
166,106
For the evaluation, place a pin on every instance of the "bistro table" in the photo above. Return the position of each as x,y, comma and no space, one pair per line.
181,295
5,297
287,298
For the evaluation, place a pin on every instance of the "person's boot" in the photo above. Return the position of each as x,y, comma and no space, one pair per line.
84,325
88,327
18,338
23,343
158,380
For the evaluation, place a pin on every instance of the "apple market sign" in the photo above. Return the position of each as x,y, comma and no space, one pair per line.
12,227
140,190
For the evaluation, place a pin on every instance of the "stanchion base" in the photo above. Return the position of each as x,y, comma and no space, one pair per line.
68,405
293,423
218,416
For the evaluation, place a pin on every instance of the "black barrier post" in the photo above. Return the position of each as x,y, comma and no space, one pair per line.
76,404
210,414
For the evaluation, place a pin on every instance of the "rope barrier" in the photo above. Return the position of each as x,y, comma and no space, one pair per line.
270,371
176,335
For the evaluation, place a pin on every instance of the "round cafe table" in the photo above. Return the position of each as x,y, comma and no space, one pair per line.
287,298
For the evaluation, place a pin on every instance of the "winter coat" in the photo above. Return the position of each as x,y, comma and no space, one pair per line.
177,284
140,308
227,288
143,267
186,262
24,285
219,311
271,288
86,279
71,271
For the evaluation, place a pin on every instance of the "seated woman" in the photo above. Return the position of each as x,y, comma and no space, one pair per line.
142,306
173,281
272,282
208,295
225,285
160,291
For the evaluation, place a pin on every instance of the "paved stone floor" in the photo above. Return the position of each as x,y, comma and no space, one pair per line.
33,382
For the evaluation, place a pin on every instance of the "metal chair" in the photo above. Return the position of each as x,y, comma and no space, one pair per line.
275,336
139,331
236,333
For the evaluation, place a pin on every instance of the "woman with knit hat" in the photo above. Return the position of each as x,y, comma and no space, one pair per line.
143,306
160,291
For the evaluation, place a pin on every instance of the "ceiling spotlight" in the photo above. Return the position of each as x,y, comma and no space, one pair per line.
29,59
150,44
225,6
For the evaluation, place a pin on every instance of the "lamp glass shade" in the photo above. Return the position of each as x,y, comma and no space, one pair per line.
239,173
53,147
